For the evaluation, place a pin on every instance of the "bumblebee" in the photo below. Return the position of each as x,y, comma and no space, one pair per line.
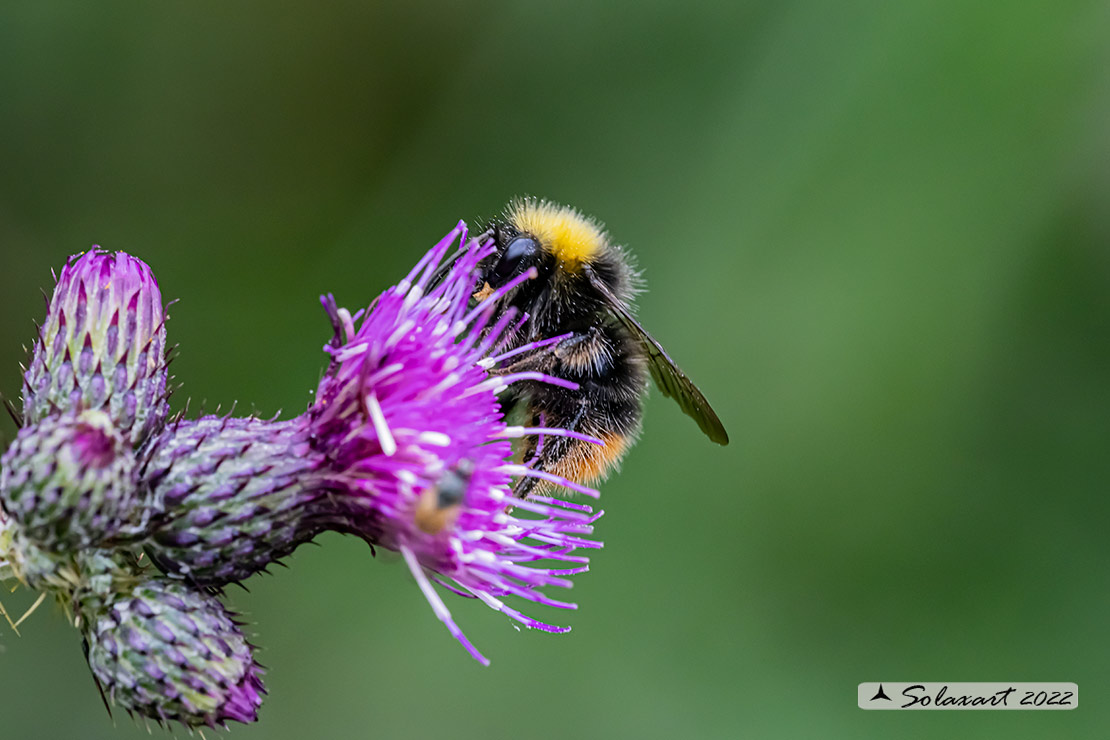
584,288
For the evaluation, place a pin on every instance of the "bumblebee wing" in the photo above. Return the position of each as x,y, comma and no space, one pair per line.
667,375
674,383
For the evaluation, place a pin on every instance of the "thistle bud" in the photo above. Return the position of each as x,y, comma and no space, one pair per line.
169,652
67,482
102,346
232,496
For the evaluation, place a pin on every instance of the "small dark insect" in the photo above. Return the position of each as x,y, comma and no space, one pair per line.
584,289
439,504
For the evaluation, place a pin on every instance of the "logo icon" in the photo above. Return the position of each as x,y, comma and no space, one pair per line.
880,694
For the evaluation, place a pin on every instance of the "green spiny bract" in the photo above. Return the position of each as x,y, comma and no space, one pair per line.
169,652
102,346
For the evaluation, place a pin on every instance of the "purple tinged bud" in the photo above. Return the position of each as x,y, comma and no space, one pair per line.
102,346
156,661
233,496
68,482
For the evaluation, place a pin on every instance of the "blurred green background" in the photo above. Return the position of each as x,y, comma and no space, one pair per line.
876,234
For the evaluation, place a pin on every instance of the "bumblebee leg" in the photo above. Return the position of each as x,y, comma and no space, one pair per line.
554,451
581,356
601,406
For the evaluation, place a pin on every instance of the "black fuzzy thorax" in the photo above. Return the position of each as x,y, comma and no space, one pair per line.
602,356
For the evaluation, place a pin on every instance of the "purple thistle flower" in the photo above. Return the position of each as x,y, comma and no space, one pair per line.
102,346
408,416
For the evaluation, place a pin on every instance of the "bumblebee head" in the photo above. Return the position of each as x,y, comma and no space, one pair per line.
562,245
548,236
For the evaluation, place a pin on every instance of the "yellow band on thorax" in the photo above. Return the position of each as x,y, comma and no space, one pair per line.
571,237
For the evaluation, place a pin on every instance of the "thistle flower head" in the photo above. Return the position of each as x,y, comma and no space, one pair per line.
169,652
408,415
67,481
102,346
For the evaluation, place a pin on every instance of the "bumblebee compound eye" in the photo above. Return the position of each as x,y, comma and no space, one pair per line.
520,254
